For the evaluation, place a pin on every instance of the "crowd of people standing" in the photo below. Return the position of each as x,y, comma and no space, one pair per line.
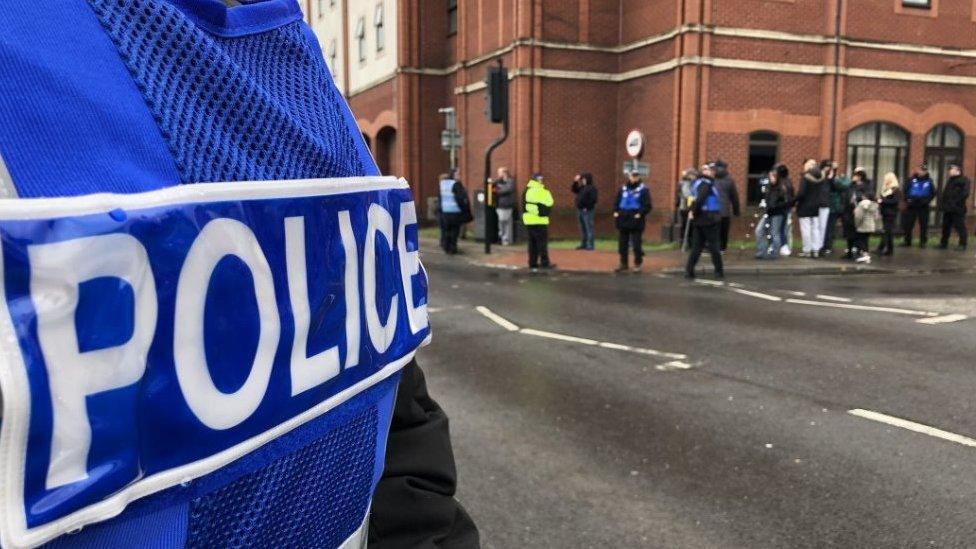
821,199
824,197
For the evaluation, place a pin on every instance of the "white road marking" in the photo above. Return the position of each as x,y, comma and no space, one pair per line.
560,337
487,313
511,327
942,319
912,426
834,298
711,282
674,365
797,294
749,293
852,306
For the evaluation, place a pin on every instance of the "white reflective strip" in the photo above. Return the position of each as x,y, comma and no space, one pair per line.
358,538
42,208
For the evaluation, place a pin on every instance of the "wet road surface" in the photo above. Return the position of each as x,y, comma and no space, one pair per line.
648,411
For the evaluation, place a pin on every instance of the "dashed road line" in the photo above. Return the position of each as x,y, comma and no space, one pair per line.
912,426
560,337
834,298
855,307
947,319
673,365
797,294
710,282
512,327
504,323
759,295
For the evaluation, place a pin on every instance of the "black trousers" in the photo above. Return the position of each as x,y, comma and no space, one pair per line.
863,242
830,230
887,245
449,237
726,225
913,216
701,236
957,221
538,245
631,238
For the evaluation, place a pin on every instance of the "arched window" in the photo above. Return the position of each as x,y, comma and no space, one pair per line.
943,146
879,148
763,154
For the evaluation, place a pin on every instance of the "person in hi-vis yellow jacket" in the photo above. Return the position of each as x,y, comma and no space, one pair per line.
536,205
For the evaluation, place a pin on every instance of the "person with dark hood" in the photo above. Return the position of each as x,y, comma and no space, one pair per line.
918,200
809,201
586,199
890,201
455,212
728,196
954,204
631,207
827,218
706,219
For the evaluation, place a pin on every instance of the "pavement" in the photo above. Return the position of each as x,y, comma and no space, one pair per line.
826,410
737,261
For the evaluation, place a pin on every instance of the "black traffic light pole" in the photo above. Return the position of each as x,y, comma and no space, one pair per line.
497,98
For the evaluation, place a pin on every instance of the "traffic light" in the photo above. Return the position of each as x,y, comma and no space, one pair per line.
497,94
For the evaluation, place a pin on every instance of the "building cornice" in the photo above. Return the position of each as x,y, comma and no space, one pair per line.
746,33
725,63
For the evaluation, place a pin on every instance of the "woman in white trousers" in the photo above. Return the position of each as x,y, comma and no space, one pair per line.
811,209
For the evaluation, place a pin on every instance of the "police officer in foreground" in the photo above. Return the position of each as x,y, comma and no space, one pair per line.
303,462
918,197
630,211
536,207
705,218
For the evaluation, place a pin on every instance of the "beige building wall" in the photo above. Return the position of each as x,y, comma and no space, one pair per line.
325,18
371,30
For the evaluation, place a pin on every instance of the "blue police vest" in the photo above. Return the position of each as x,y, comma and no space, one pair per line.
712,203
187,363
630,199
449,203
921,188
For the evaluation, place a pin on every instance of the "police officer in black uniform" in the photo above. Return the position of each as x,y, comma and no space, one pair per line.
705,217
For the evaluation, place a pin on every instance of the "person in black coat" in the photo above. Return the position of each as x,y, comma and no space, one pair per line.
630,210
954,204
586,199
728,195
890,201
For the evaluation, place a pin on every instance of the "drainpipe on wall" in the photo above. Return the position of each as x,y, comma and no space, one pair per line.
836,92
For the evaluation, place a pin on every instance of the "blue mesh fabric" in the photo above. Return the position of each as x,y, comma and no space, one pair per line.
315,497
256,107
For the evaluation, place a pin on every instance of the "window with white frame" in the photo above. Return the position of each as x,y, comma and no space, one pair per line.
378,24
917,3
333,53
361,38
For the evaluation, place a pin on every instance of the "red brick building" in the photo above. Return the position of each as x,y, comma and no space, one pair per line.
884,84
